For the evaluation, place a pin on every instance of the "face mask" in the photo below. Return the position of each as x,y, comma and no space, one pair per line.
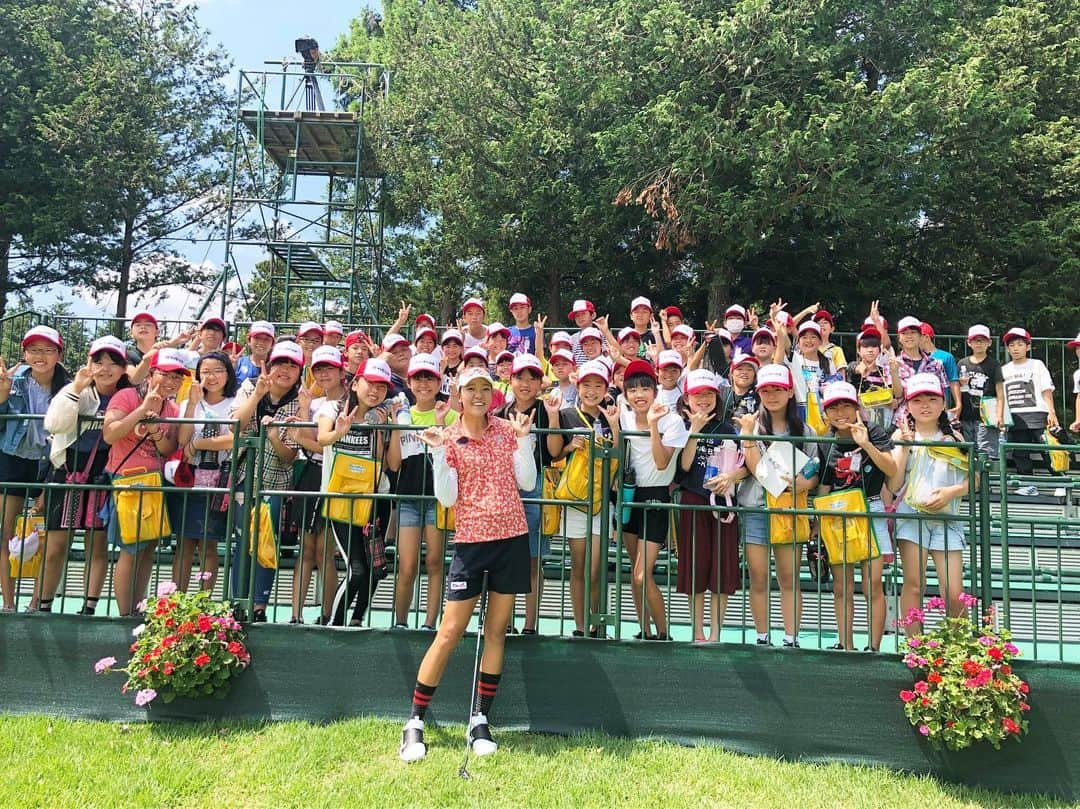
734,325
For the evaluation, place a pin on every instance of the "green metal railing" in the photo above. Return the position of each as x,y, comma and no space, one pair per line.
1022,556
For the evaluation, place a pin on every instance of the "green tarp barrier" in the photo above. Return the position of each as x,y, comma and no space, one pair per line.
809,705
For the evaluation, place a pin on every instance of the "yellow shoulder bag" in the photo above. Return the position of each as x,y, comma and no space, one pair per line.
141,515
266,553
574,482
849,540
351,474
786,529
444,517
25,547
1059,458
550,515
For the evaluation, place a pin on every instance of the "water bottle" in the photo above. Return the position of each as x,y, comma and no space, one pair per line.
712,465
629,484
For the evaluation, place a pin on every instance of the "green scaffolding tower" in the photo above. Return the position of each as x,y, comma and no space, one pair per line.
305,192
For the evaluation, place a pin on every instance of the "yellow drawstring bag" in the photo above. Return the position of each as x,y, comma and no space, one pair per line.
848,540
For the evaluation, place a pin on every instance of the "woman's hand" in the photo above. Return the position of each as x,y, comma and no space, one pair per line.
699,419
441,410
433,437
724,483
262,385
747,423
195,394
153,401
656,412
84,377
522,424
859,433
552,404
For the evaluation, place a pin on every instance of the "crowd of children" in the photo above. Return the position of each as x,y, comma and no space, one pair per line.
719,438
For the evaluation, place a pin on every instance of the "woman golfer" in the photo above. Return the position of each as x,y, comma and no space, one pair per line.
472,461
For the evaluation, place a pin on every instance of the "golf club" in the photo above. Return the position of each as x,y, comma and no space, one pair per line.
463,771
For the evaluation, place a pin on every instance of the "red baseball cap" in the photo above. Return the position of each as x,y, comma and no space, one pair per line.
927,330
823,314
640,367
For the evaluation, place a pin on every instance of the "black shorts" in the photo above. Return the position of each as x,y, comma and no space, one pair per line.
15,470
505,560
651,524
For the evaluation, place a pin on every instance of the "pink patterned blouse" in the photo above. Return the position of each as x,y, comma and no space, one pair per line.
488,504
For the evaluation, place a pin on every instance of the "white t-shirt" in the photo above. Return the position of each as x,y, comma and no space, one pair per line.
211,413
669,397
673,433
1025,384
1076,381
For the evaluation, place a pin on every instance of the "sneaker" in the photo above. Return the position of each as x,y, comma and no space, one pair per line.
791,644
870,649
258,617
400,626
528,632
479,736
294,620
578,633
412,741
1027,491
427,628
764,642
837,647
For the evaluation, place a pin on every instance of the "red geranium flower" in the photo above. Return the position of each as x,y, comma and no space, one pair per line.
934,677
1006,669
235,648
169,668
971,668
202,660
170,622
907,696
205,624
186,627
939,661
1024,687
925,702
1009,725
994,652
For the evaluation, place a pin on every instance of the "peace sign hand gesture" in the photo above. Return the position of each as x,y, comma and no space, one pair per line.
859,433
153,401
344,421
522,424
5,377
83,377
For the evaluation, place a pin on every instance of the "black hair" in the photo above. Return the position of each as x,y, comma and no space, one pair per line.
639,381
796,425
874,342
231,385
60,378
943,424
123,381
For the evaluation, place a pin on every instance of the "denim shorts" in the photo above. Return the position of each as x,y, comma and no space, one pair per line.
415,513
755,527
932,535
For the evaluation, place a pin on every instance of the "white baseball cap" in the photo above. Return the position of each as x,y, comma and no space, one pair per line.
451,334
590,333
1014,333
684,330
908,322
563,354
169,360
669,359
424,364
561,338
765,333
114,345
628,331
839,392
471,374
498,328
640,300
701,379
307,327
519,298
426,331
744,359
475,351
287,350
333,327
978,330
392,341
46,333
724,334
810,325
774,375
581,306
527,362
735,309
326,355
472,302
376,370
262,327
594,368
922,383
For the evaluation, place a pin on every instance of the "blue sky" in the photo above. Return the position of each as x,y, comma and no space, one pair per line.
251,32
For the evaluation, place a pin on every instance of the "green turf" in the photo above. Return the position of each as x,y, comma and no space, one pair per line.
58,763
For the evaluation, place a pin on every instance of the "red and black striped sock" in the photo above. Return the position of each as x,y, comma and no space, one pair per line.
485,692
421,698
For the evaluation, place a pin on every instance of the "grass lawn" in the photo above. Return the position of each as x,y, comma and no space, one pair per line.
57,763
